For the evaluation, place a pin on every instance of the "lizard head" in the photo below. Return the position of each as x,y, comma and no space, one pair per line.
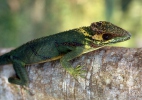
108,33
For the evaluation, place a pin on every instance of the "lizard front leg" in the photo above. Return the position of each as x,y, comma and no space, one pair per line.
77,71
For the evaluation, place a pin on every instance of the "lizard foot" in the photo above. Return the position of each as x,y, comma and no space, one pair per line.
77,71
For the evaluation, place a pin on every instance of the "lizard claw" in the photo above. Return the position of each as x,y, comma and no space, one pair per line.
77,71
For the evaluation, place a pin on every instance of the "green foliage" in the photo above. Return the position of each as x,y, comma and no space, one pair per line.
24,20
125,4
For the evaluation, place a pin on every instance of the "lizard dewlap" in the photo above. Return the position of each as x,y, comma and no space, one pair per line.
65,46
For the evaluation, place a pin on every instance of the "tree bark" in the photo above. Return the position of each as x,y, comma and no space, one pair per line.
112,73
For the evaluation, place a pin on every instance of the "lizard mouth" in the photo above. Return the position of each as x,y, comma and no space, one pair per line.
114,39
127,36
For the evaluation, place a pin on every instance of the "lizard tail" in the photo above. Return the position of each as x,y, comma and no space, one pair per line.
5,59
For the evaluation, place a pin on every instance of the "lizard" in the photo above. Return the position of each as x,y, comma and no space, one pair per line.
65,46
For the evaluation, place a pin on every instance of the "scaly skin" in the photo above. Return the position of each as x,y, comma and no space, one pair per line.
64,46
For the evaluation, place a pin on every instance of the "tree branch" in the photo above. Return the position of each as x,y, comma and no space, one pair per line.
112,73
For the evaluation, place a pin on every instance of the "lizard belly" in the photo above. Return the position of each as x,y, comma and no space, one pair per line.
47,60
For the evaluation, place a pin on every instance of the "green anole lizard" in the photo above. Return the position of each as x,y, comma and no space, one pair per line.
65,46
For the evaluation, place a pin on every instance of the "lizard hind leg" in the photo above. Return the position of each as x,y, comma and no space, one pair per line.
21,73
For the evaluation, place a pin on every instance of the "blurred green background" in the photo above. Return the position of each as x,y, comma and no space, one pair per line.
24,20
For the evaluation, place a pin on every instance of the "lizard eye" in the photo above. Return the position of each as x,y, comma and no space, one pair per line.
107,36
